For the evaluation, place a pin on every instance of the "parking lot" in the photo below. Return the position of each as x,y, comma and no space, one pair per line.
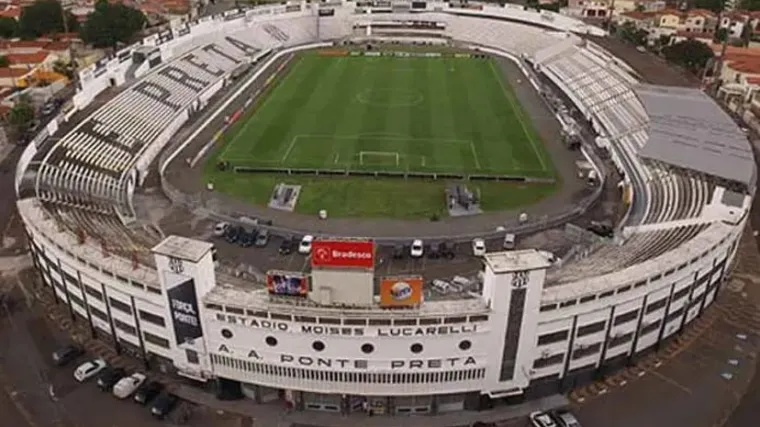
52,397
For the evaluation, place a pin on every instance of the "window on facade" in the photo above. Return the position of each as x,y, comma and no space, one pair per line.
271,341
405,322
606,294
548,307
124,327
367,348
626,317
588,298
586,351
192,357
656,305
650,328
545,362
675,315
591,329
93,293
76,300
152,318
416,348
465,345
620,339
568,303
156,340
120,305
318,345
99,314
553,337
682,293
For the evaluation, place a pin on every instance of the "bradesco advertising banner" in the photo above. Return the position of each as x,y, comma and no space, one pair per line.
287,283
401,291
343,253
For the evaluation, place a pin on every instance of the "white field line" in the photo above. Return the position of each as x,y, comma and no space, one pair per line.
337,157
290,148
518,114
268,97
475,156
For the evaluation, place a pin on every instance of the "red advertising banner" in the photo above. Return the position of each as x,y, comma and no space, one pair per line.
343,253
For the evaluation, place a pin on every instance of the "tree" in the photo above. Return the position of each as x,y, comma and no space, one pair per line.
110,24
8,27
721,34
4,61
746,34
64,68
44,17
691,54
21,117
631,34
713,5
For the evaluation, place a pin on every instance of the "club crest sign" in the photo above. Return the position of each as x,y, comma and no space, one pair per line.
519,279
176,266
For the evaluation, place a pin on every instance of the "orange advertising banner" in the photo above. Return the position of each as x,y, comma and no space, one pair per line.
401,291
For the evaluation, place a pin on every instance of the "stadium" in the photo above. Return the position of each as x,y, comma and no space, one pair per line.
368,111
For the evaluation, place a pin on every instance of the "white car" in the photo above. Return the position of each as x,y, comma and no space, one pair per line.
89,369
417,249
478,247
221,228
305,246
541,419
127,385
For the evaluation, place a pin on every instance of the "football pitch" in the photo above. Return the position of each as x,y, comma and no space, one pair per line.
386,114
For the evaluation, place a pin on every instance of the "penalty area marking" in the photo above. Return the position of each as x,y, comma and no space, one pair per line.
370,137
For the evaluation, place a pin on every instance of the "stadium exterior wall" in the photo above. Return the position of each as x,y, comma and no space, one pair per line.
581,329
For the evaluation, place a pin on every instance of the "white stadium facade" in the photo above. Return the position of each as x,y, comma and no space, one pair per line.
534,328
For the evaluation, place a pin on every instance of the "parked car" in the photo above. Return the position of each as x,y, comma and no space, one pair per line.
246,239
478,247
220,229
147,392
164,405
287,245
262,239
541,419
128,385
442,286
398,252
48,108
305,246
509,241
448,250
434,252
65,355
417,249
565,418
109,377
89,369
233,233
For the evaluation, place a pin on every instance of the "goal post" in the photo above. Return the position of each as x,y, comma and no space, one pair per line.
383,157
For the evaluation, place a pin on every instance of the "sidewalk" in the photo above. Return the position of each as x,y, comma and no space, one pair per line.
273,415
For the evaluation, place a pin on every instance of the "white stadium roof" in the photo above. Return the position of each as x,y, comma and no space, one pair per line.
688,129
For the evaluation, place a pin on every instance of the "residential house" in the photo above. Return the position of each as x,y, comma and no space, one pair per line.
10,11
585,9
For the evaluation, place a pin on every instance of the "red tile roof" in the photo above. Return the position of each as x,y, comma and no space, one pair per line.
753,80
28,58
12,72
10,12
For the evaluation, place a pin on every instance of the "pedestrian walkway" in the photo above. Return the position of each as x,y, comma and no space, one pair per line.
274,415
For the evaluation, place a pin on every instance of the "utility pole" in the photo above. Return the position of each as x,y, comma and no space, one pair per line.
72,58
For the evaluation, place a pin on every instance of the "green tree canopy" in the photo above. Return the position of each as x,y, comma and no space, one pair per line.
4,61
44,17
714,5
8,27
21,117
110,24
691,54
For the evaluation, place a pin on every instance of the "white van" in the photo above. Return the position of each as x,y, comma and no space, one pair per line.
442,286
509,241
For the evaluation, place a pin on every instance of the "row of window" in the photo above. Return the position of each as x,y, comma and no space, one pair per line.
348,376
118,324
38,251
428,321
626,288
624,318
612,342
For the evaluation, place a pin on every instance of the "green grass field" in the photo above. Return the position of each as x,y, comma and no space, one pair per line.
385,114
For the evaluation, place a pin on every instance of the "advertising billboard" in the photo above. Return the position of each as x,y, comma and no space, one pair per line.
401,291
343,253
287,283
183,305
